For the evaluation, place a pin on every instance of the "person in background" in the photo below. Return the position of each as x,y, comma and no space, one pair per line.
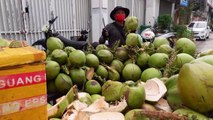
115,31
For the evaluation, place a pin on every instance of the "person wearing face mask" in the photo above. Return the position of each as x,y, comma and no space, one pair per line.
115,31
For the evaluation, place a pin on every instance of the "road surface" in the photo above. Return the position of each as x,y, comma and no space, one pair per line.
205,45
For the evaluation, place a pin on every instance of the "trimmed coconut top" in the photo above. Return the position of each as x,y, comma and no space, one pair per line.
107,116
154,89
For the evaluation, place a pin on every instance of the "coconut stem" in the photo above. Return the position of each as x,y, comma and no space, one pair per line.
115,46
97,77
168,71
163,115
133,52
90,49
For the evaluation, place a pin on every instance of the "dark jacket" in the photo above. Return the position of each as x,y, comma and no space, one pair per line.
115,33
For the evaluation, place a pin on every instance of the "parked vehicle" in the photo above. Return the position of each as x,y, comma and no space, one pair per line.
200,29
79,43
149,35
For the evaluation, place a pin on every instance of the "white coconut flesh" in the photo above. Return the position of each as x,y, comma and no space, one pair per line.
82,94
78,115
107,116
98,106
162,104
154,89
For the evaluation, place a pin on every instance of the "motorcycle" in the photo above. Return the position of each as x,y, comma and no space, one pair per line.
149,34
79,43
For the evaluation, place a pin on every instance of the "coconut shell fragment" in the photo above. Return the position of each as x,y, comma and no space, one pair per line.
154,89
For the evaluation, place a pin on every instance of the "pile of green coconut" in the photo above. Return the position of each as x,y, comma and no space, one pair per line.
137,81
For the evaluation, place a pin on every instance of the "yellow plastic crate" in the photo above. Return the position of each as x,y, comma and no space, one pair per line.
23,93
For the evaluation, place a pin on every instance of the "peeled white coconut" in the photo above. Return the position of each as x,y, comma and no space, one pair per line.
107,116
101,105
98,106
119,107
78,105
78,115
162,104
154,89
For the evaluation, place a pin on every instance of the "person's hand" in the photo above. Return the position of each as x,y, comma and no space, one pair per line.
105,33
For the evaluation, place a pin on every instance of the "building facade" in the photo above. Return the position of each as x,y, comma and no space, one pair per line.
23,19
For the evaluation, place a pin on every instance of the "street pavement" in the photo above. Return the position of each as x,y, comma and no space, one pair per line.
205,45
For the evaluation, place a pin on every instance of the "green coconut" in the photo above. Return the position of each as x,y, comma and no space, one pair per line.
48,58
190,114
95,97
136,114
134,95
51,88
158,60
185,45
52,69
117,65
158,41
92,87
206,52
49,105
150,73
102,72
111,90
59,56
105,56
142,59
77,58
48,52
172,81
207,59
54,43
181,59
92,60
131,72
164,79
85,98
69,49
101,47
63,83
133,40
78,76
131,23
113,74
173,98
129,61
121,53
4,42
194,84
165,48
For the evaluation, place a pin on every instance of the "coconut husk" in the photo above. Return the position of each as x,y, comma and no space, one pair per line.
77,115
90,73
107,116
162,104
98,106
59,99
161,115
148,107
101,105
78,110
73,108
77,105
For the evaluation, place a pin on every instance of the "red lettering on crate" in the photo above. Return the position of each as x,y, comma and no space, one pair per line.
23,104
23,79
